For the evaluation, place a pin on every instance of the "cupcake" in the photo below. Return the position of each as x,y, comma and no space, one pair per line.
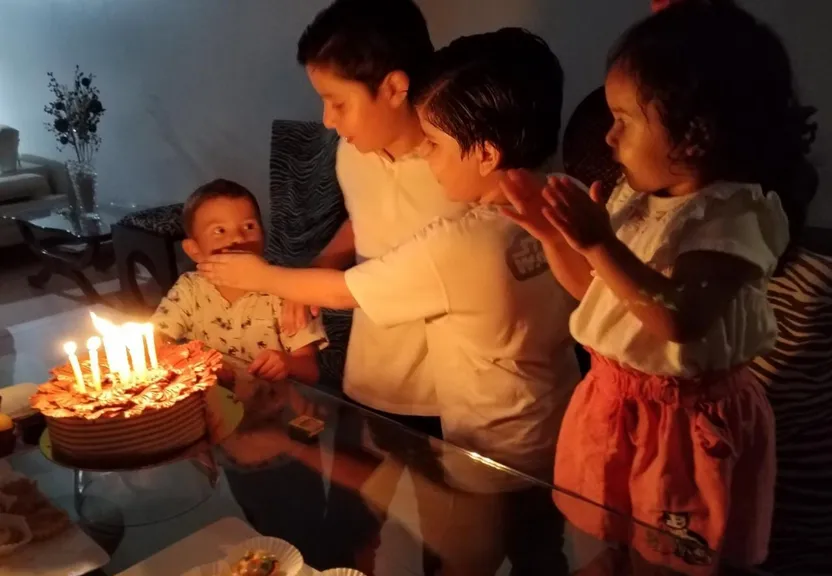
7,437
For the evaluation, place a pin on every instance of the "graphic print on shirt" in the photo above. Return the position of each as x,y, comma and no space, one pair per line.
691,547
525,257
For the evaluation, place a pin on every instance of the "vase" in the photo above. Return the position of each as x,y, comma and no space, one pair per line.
83,201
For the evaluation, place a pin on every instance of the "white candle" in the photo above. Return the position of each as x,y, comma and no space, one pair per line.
151,344
134,338
93,344
113,347
70,348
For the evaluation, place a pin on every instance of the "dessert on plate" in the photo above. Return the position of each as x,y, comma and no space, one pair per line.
257,563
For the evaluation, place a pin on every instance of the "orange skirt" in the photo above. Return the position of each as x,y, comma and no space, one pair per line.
693,458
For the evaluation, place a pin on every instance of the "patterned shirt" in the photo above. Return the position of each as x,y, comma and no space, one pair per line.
194,309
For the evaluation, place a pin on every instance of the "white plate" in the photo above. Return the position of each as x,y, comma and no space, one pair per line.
289,557
342,572
219,568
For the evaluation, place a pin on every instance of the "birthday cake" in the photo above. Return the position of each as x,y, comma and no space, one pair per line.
140,421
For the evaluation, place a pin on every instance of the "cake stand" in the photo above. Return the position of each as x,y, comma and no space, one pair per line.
161,491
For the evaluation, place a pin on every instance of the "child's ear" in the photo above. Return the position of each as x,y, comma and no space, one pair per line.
191,248
395,87
489,158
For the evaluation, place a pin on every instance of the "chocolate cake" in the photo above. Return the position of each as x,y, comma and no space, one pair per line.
138,423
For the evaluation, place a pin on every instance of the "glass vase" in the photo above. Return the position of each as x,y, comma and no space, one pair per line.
84,200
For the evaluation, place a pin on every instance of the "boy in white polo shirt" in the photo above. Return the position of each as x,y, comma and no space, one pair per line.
499,351
360,56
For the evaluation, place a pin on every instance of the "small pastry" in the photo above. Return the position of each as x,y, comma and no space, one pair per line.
256,563
7,437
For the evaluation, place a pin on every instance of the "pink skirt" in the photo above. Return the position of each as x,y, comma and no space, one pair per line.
691,460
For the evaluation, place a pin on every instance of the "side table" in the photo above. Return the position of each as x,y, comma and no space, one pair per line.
68,245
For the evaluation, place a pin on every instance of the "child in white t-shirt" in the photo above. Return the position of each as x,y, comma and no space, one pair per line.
496,321
670,426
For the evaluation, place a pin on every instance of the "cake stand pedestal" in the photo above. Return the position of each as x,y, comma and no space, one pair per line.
159,492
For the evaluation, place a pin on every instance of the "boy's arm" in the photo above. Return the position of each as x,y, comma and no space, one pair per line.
401,286
303,364
340,252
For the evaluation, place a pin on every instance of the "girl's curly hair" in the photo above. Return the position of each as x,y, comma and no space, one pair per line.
722,82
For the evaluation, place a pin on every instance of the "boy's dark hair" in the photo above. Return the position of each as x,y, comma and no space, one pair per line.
503,87
219,188
722,82
365,40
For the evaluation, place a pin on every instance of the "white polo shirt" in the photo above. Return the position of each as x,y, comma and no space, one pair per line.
388,202
498,341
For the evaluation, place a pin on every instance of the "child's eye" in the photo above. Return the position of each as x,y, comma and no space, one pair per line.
250,226
219,230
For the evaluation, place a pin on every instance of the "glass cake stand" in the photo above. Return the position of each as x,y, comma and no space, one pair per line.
158,492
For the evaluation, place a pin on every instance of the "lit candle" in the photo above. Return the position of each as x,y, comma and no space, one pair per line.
151,344
70,348
93,344
134,338
113,347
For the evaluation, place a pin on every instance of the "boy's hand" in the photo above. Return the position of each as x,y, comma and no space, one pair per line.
271,365
295,317
243,271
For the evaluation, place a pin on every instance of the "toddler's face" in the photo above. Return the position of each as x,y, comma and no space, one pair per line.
641,143
225,223
368,122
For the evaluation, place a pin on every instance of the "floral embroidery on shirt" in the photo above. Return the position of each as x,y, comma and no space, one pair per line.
245,323
163,309
261,345
173,296
222,323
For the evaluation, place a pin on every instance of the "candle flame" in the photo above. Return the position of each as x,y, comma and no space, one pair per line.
70,347
94,343
103,326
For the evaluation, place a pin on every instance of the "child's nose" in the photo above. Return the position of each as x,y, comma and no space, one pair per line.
611,138
328,119
239,235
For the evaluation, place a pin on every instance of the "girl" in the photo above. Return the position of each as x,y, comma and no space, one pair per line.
669,426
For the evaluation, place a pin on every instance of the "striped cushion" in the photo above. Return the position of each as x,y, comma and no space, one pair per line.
306,209
798,378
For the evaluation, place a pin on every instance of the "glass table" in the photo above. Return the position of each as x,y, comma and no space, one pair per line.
368,494
67,244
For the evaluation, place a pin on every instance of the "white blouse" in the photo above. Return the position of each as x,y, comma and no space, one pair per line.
733,218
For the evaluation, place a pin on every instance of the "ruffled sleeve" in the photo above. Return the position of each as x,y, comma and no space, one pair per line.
737,219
